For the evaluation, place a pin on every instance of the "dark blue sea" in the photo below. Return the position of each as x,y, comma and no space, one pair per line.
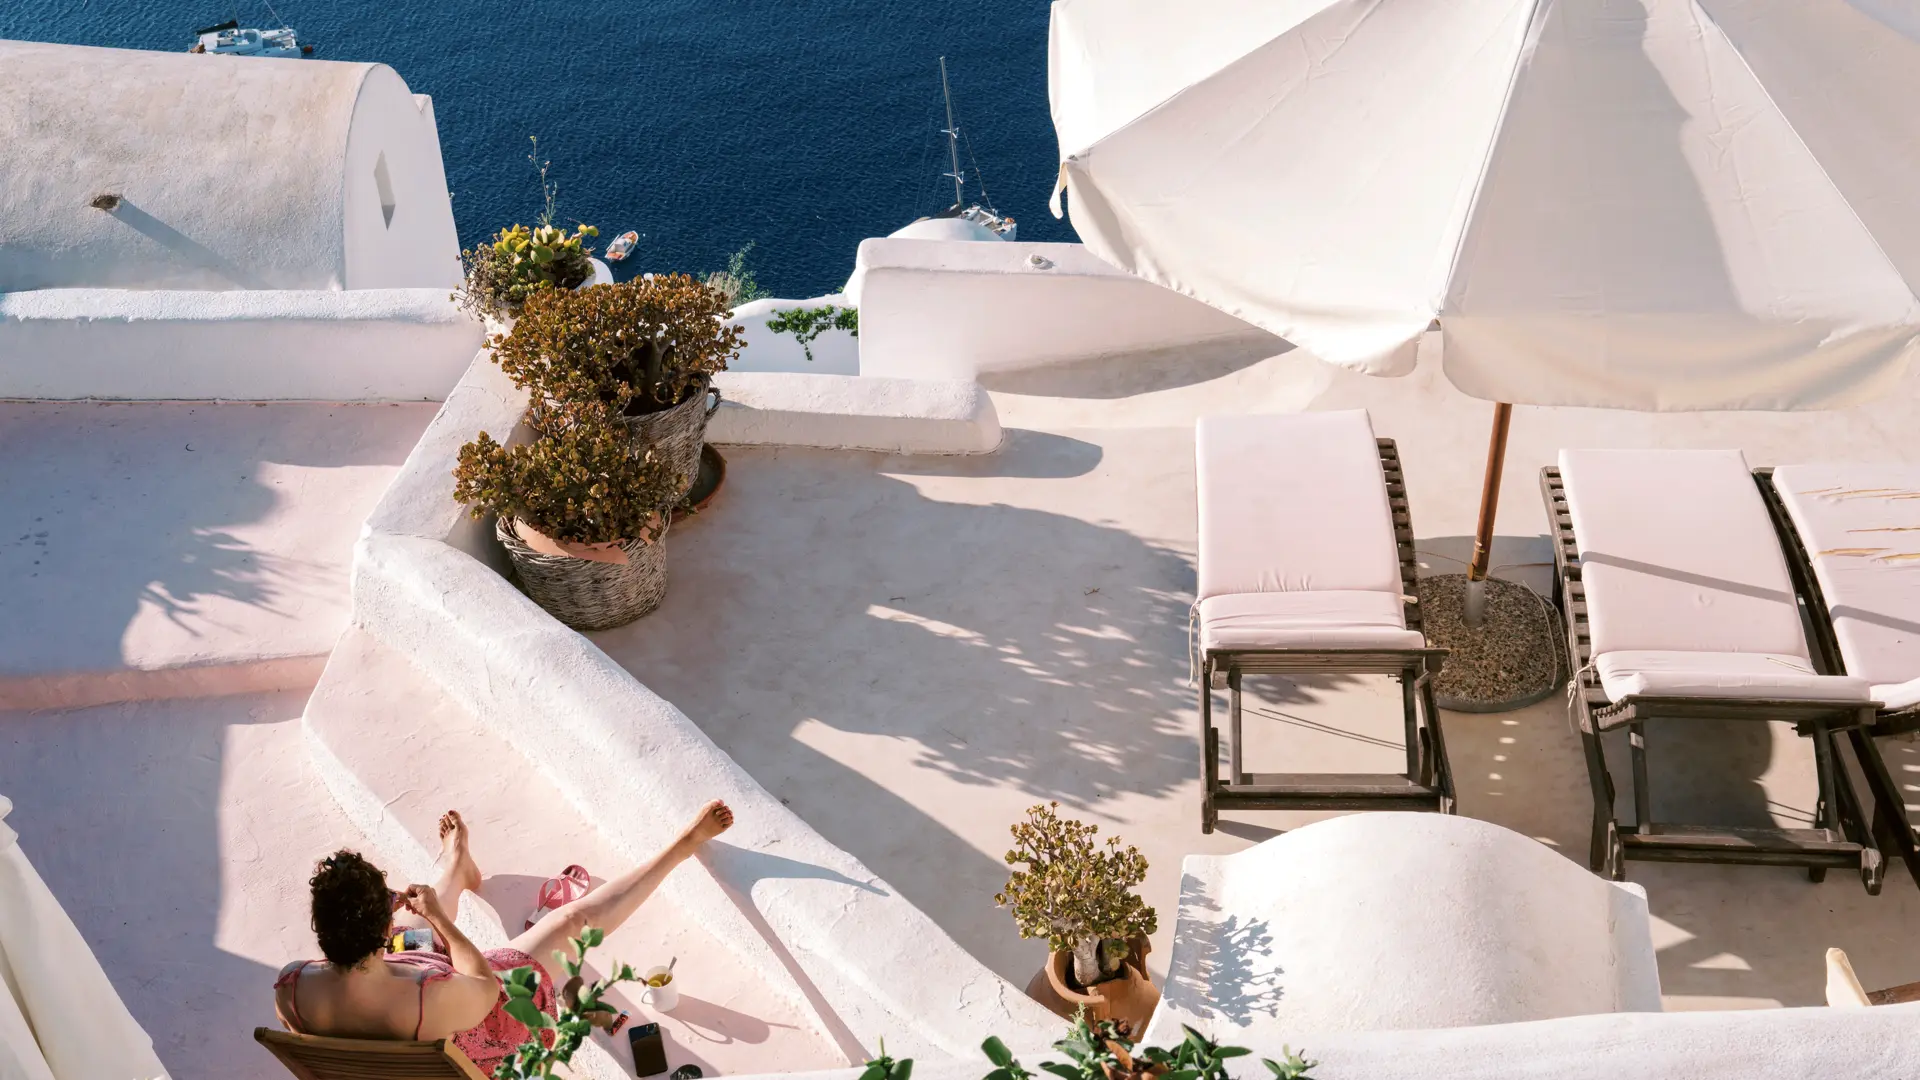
799,126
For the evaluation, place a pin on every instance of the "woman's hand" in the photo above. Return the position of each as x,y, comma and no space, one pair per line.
424,902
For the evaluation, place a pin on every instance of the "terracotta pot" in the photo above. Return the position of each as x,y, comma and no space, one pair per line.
611,552
1129,996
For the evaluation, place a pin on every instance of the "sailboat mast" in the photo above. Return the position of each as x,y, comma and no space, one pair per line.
953,138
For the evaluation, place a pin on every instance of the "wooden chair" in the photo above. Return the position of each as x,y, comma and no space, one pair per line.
1693,524
1307,568
316,1057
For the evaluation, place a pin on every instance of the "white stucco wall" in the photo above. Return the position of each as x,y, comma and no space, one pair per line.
233,173
835,352
420,246
300,345
932,309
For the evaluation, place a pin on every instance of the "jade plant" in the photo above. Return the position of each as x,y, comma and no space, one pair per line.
554,1039
580,483
806,324
520,263
1076,893
640,346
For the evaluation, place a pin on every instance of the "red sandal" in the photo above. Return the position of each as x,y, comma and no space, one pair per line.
557,892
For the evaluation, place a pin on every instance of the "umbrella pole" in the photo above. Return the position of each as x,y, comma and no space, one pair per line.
1476,598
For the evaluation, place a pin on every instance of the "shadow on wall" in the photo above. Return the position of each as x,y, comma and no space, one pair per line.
1228,971
1110,377
864,649
184,247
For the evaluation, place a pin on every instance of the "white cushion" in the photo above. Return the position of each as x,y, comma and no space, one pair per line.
1678,554
1861,528
1346,619
1759,676
1897,695
1293,503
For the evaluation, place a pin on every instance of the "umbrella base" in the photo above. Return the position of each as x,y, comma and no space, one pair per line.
1514,658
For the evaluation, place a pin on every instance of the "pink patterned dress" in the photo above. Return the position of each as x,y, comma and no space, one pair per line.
485,1044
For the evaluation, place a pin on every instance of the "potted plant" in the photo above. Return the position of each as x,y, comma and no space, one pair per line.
520,262
1078,894
647,348
580,513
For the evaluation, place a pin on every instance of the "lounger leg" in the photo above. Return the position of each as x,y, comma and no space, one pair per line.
1602,785
1642,797
1889,807
1823,805
1442,768
1419,759
1209,750
1236,733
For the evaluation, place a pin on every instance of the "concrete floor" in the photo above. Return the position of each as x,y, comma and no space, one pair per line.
144,538
911,651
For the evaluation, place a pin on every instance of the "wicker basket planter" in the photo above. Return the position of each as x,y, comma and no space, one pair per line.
586,594
675,434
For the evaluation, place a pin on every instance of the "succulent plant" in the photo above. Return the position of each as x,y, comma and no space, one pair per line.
580,483
1075,893
640,346
519,262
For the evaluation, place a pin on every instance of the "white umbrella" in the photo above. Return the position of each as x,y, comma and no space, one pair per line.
1641,204
59,1016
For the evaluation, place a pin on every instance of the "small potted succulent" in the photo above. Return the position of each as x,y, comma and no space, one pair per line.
520,262
646,348
581,514
1078,894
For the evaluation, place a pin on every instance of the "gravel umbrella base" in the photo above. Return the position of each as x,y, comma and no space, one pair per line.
1515,657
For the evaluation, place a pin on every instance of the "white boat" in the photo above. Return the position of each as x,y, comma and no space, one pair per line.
231,39
622,245
991,224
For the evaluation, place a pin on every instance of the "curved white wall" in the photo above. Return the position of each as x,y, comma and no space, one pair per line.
393,139
942,309
232,173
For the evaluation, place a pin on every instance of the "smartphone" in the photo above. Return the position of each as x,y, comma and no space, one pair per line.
649,1050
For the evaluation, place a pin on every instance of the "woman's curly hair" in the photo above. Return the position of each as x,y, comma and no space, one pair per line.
352,909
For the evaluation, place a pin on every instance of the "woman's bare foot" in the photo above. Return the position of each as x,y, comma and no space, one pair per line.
453,849
714,819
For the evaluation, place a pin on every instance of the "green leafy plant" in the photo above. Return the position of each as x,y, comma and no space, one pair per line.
640,346
736,282
886,1068
1076,893
581,482
578,1005
806,324
521,262
1104,1050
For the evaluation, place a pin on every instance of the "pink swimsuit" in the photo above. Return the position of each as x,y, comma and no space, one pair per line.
485,1044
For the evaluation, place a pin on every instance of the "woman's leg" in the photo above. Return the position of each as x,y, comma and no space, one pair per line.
459,873
612,903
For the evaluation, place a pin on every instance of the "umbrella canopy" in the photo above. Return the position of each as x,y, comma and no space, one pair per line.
1644,204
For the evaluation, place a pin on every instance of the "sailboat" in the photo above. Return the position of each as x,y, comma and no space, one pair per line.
988,223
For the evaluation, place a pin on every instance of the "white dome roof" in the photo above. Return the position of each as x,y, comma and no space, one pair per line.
944,228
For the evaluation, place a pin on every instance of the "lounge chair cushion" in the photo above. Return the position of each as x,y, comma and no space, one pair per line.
1861,528
1762,676
1293,503
1678,554
1326,619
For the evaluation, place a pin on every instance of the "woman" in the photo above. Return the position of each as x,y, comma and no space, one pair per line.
362,992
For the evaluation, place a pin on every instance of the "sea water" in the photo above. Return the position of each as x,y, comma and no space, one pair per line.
799,126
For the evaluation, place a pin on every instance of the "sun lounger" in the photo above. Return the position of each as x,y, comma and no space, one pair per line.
1852,535
1680,607
315,1057
1378,922
1306,568
1845,992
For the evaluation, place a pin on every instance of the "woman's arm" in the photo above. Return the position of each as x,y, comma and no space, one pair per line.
465,999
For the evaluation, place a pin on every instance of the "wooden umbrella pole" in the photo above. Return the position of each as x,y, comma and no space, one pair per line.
1490,492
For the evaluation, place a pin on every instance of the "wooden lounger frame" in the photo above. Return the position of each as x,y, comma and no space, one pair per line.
1840,837
1428,782
317,1057
1890,826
